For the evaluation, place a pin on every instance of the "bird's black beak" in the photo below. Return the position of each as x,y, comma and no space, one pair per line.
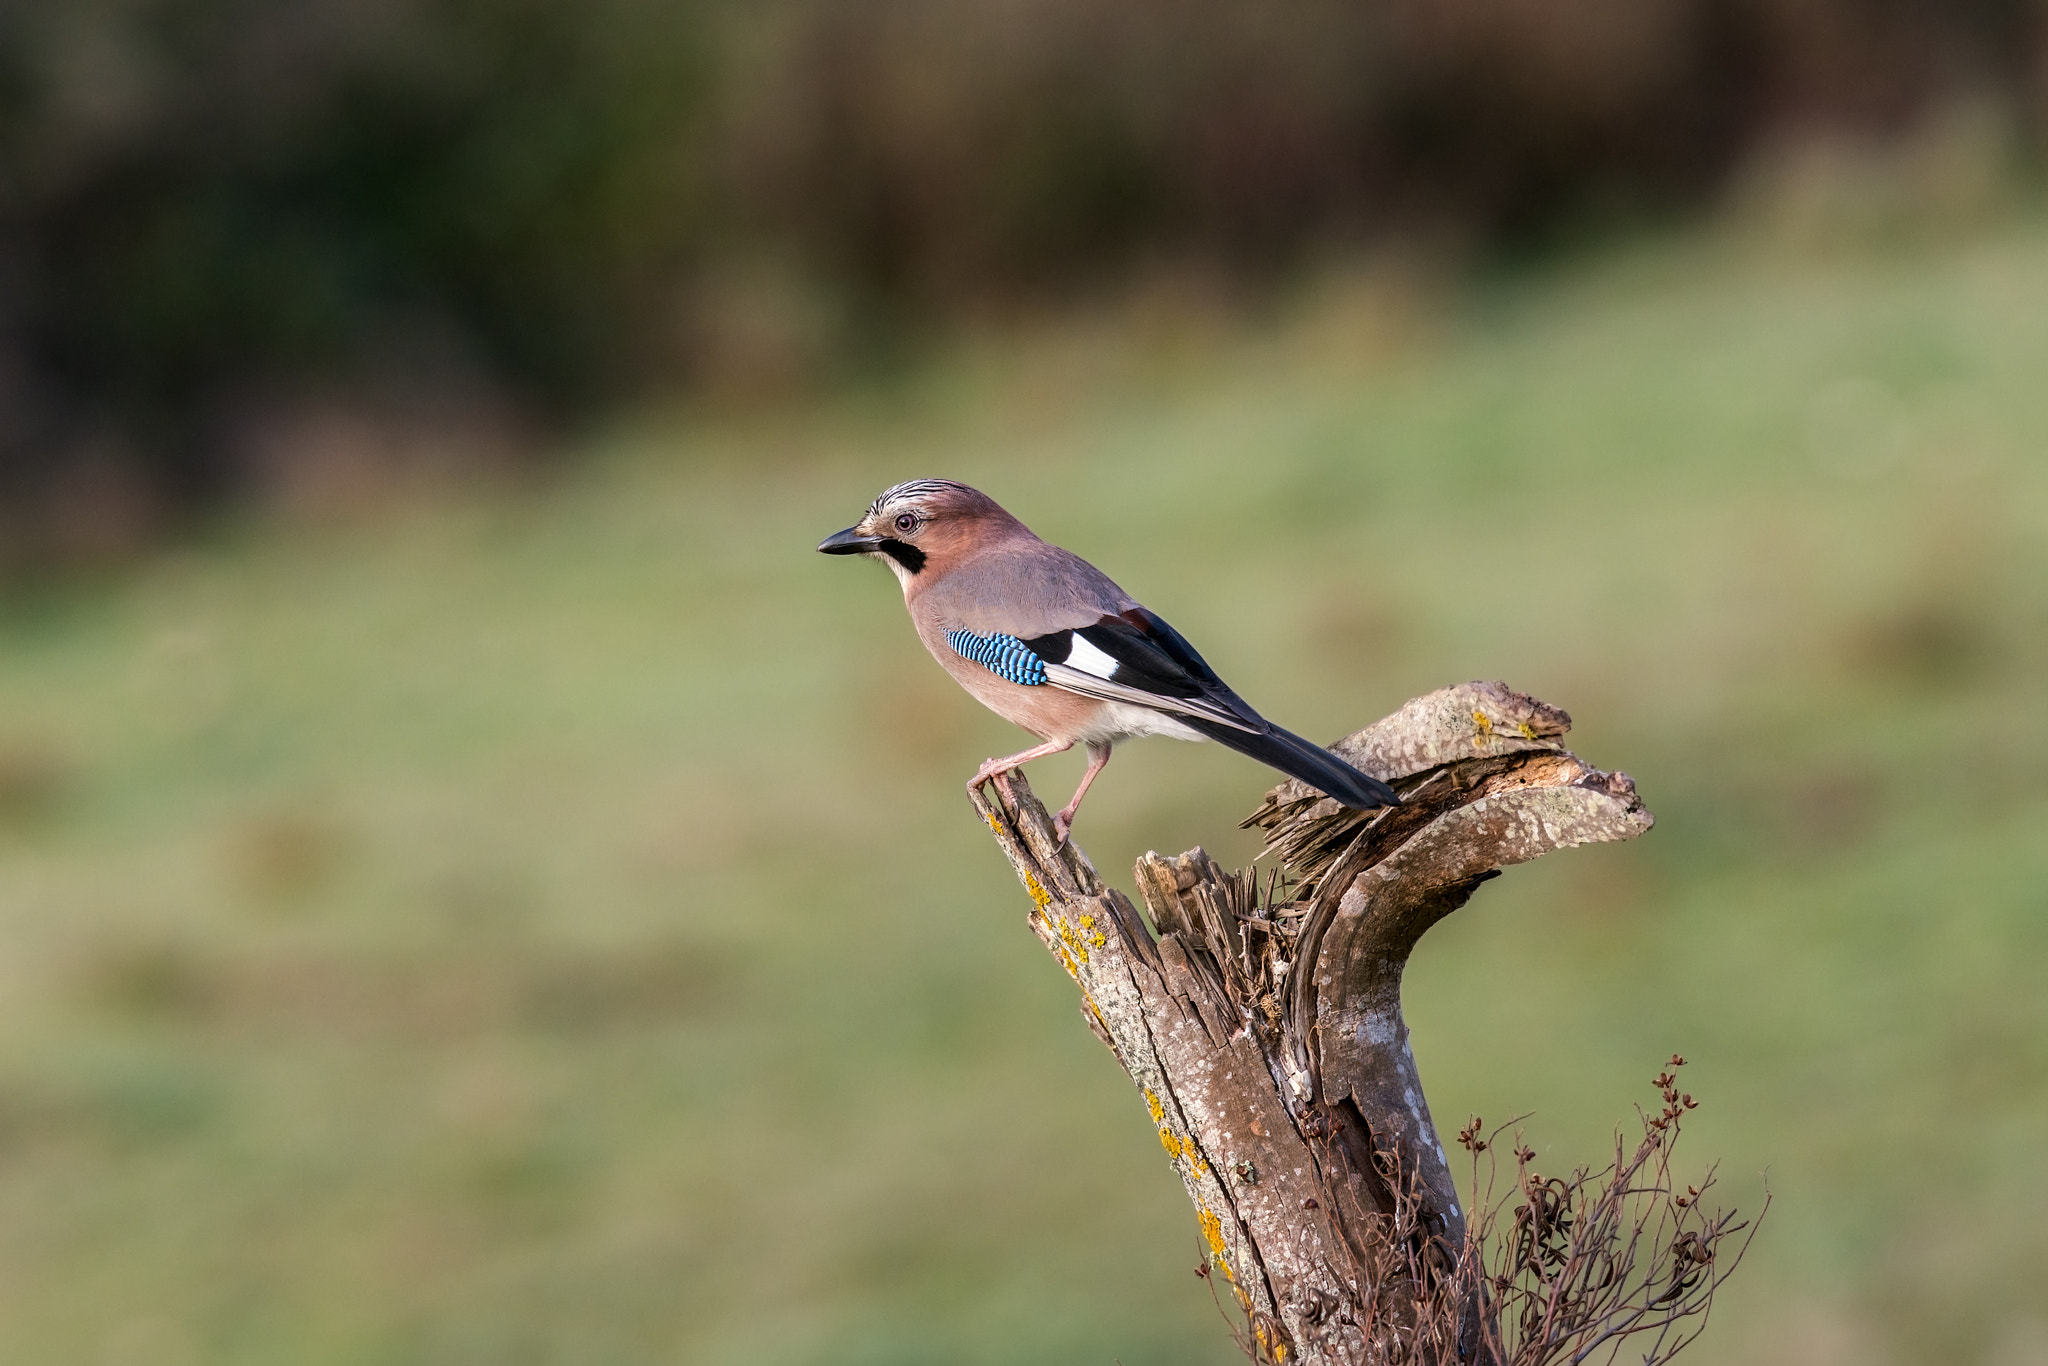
848,542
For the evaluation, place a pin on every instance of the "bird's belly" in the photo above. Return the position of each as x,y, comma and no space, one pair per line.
1116,721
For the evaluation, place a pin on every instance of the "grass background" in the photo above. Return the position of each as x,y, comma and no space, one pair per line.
543,924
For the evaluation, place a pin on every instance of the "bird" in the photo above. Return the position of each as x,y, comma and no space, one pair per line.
1045,640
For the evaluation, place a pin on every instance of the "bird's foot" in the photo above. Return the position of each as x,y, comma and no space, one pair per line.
1062,825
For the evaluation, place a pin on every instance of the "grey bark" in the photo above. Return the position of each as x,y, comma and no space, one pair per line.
1264,1031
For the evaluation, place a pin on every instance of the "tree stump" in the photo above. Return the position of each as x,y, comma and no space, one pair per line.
1262,1025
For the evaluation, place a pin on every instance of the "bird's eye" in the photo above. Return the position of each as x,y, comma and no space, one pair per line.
906,522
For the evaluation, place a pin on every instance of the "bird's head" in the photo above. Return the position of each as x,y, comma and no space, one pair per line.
923,528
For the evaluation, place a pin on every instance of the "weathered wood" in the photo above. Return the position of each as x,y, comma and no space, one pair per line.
1263,1027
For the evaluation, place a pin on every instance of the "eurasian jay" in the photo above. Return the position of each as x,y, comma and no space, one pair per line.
1043,638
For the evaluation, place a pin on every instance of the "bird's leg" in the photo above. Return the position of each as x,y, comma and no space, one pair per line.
999,769
1098,755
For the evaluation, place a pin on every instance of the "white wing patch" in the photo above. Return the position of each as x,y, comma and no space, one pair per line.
1088,659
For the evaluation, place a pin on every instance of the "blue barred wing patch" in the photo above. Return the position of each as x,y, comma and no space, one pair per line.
1004,656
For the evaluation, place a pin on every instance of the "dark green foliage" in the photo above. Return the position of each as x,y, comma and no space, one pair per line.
210,206
206,201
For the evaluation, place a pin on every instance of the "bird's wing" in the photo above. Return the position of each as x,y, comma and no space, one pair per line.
1134,657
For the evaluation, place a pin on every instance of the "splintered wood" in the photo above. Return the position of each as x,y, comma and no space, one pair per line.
1261,1020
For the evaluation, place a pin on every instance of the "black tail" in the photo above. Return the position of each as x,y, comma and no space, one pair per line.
1297,758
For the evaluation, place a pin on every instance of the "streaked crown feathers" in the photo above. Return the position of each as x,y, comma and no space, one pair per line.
933,497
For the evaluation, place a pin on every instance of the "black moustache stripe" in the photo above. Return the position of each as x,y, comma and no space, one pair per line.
904,553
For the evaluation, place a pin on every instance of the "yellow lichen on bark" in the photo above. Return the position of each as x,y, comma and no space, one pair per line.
1212,1232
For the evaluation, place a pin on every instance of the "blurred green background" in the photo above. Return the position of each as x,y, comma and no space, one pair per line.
545,925
476,888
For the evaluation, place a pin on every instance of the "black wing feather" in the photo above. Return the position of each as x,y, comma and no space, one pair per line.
1053,648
